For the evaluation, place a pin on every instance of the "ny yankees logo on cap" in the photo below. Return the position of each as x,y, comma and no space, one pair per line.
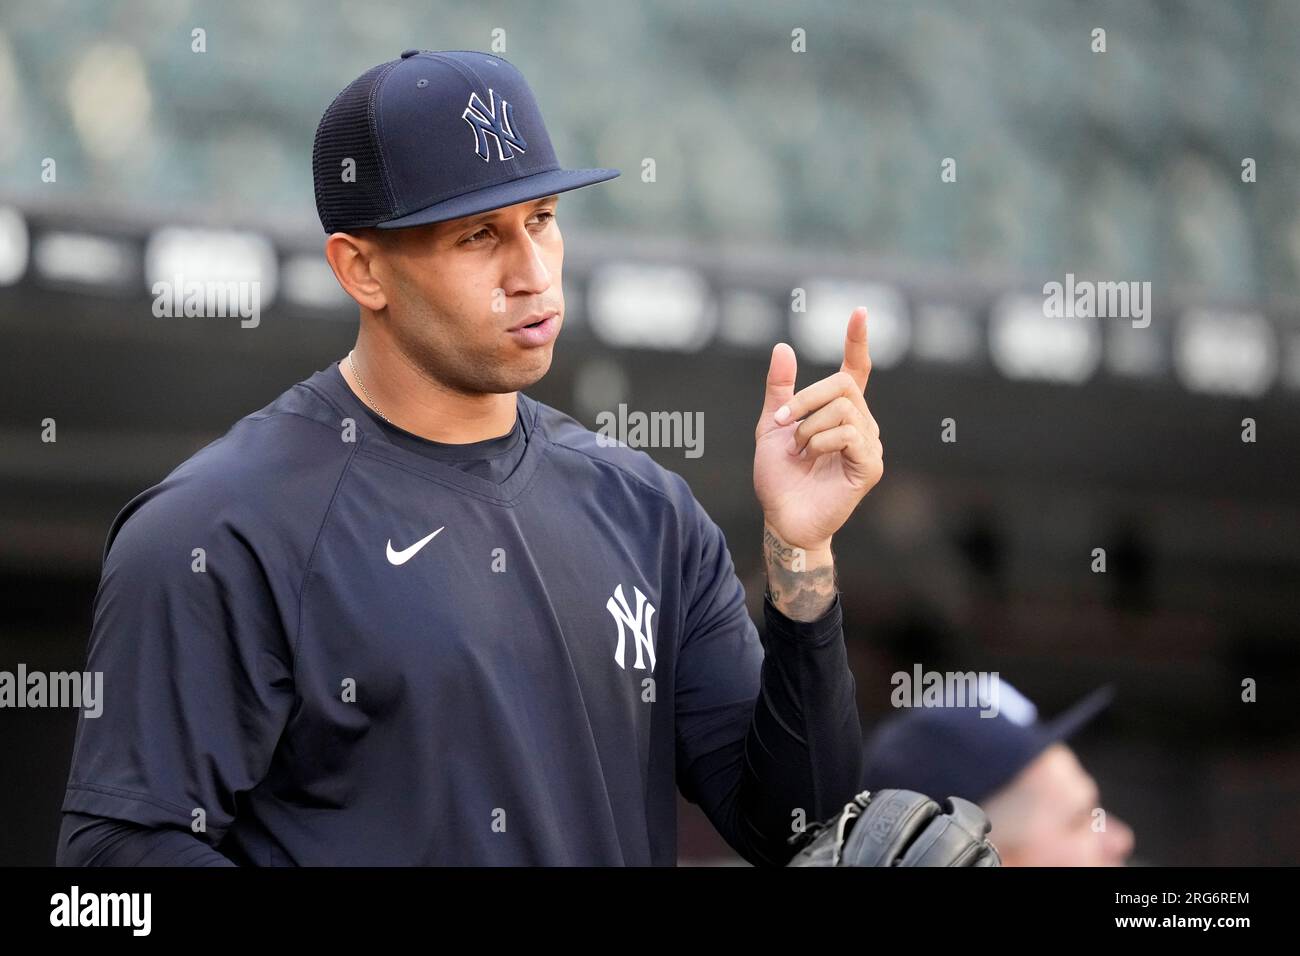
486,123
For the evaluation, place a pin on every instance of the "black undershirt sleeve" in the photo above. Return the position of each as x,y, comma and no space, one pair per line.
86,840
800,760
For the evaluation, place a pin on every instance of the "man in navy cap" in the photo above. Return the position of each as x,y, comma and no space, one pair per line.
406,614
1043,806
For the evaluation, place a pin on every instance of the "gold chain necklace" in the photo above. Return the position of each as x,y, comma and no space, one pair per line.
357,376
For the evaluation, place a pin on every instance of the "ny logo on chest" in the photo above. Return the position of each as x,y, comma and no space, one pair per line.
638,622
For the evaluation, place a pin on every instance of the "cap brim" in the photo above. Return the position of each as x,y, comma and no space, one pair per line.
1071,721
503,194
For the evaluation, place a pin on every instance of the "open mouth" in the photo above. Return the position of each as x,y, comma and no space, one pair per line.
534,325
537,333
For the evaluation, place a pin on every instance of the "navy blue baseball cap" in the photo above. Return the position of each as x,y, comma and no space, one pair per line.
955,752
431,136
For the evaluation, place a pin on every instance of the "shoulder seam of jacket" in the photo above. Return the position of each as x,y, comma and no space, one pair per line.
320,531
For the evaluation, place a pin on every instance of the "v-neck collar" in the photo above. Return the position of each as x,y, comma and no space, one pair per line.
331,386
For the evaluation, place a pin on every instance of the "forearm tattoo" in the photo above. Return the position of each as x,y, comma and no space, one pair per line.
801,584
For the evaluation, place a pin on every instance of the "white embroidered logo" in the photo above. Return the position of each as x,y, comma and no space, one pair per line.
617,606
487,121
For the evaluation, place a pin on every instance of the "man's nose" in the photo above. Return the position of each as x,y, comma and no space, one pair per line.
528,271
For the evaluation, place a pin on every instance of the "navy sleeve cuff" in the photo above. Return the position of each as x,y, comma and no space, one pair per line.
821,631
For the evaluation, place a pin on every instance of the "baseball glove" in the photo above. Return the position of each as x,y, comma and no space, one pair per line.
898,828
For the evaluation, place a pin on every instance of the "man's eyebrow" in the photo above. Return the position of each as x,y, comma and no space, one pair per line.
494,213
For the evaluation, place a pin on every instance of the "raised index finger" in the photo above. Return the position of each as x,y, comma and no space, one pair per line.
857,356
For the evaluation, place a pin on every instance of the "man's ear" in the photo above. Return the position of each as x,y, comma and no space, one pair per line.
353,259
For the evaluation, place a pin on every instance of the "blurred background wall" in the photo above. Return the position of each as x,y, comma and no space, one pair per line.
750,171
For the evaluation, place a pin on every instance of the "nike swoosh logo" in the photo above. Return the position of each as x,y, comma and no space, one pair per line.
401,557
